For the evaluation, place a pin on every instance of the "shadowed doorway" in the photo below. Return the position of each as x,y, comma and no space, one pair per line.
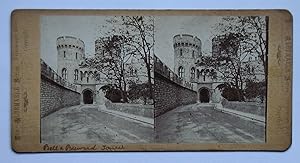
87,97
204,95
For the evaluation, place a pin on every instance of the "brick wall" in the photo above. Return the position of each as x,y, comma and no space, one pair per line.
169,95
55,96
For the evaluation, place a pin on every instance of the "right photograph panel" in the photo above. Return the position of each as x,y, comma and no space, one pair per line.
210,79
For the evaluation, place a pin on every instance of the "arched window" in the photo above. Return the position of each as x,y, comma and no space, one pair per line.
76,55
202,72
207,72
64,73
89,74
76,74
181,72
81,75
193,73
64,54
193,54
180,52
198,74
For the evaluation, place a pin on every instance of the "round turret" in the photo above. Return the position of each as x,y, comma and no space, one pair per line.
70,47
70,53
188,45
187,49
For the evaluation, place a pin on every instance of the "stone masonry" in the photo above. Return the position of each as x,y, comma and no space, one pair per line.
170,91
54,96
56,93
169,95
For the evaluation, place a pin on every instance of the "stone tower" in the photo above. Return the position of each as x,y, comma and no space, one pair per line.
187,49
70,54
187,55
70,57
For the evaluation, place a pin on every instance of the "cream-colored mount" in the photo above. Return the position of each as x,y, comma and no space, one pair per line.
26,86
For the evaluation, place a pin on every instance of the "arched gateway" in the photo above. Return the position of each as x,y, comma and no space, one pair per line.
87,96
204,95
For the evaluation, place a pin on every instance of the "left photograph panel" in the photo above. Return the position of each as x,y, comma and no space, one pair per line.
96,79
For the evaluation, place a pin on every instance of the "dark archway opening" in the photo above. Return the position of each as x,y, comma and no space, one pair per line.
87,97
204,95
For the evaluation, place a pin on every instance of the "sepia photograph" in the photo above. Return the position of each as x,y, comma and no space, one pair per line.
153,79
210,79
96,79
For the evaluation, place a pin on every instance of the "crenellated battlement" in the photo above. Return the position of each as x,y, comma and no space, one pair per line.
69,42
187,40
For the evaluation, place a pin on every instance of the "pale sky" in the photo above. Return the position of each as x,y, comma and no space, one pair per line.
87,29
